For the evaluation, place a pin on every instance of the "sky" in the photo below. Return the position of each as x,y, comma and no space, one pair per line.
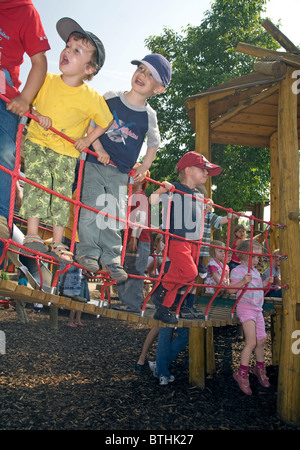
123,27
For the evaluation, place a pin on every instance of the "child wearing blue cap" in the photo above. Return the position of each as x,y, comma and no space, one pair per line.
106,177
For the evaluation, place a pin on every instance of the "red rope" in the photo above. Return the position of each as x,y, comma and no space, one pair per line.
77,205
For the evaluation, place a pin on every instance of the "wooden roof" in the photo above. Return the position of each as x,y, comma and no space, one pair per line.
244,111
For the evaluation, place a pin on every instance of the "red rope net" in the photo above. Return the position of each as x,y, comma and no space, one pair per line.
102,275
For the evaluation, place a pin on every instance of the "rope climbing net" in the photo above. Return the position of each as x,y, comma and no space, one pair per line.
103,276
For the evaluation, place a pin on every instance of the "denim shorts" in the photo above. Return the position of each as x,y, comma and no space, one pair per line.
8,129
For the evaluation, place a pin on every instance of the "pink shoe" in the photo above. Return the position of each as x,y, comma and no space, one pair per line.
262,377
243,383
72,325
80,324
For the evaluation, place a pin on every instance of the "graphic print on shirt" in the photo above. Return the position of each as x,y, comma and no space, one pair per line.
120,131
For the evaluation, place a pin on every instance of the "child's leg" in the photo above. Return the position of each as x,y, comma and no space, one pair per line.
259,370
249,328
8,129
151,336
33,225
182,268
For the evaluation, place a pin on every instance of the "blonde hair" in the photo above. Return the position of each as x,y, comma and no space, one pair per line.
245,246
212,250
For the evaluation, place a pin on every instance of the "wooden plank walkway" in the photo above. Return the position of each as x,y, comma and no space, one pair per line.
201,342
219,313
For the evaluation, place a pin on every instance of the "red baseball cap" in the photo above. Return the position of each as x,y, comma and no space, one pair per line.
197,160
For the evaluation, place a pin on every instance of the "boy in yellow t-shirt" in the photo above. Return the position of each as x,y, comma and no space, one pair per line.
68,104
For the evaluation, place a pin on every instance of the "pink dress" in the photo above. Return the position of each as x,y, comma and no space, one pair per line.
214,266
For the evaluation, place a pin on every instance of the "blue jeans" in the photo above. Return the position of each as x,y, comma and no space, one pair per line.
131,291
168,349
8,130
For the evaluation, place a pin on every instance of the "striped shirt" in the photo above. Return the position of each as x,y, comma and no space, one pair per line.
211,221
251,297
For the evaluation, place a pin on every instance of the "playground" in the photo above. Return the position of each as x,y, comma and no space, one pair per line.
57,377
63,380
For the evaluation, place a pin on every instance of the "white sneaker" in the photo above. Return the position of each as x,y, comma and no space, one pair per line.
152,367
163,381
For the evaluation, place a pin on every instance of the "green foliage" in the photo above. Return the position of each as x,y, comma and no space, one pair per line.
203,57
4,275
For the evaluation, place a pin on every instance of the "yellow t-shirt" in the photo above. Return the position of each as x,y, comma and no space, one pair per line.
71,110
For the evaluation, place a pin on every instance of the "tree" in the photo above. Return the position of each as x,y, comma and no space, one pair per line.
202,57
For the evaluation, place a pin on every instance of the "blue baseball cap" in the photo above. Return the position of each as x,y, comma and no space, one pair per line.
159,67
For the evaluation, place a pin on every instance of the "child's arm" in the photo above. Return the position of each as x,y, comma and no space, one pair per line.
140,171
154,197
93,134
267,281
21,104
44,121
239,284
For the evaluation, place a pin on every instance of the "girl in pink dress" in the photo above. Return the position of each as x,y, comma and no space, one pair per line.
215,267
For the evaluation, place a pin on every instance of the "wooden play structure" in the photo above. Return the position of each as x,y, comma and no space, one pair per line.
262,110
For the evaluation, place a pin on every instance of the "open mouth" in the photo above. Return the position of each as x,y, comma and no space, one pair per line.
64,61
139,82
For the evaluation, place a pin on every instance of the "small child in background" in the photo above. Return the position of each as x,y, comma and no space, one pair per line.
20,307
273,292
215,267
250,312
240,234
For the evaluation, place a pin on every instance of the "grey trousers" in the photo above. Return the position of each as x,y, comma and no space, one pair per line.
131,291
104,188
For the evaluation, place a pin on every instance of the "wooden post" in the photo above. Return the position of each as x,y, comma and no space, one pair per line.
197,356
288,402
202,128
274,191
210,351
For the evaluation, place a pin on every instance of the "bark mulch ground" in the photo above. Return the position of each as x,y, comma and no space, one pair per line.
85,379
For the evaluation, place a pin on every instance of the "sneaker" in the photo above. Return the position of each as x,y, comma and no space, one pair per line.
163,313
186,313
152,367
116,272
202,270
163,381
197,314
90,263
243,382
262,377
158,295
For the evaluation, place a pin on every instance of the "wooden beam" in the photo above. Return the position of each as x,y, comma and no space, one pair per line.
280,37
274,191
243,105
260,52
218,137
288,400
276,68
202,129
